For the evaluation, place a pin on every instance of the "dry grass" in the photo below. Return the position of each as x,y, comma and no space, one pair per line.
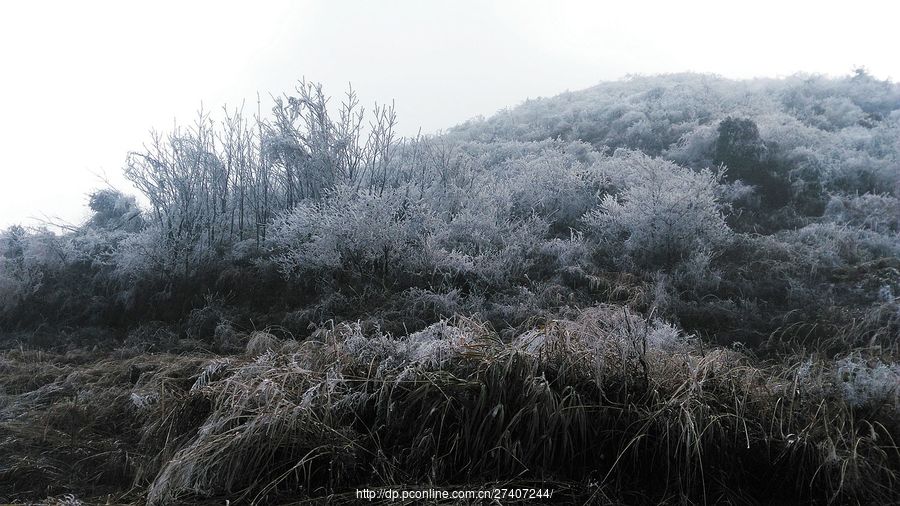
609,406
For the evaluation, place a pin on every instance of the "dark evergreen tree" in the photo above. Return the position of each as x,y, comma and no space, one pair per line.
740,148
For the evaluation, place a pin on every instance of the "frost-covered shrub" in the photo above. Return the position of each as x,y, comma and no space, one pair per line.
854,380
833,245
146,254
113,210
868,383
553,184
27,260
879,213
664,215
696,148
435,345
388,352
516,256
485,236
94,249
427,349
559,256
16,284
627,329
428,303
842,132
245,251
608,329
497,253
362,233
697,272
17,280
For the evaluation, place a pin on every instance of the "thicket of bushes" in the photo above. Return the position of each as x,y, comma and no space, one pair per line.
302,218
760,215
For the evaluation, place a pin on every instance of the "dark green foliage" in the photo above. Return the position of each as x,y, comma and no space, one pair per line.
739,147
113,210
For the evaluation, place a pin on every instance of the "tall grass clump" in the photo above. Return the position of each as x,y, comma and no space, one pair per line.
608,403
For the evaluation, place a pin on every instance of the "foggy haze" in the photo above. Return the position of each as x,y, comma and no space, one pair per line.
85,82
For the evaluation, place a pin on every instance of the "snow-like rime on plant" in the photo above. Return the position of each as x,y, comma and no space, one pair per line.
663,215
212,184
673,286
18,276
362,232
869,383
661,178
860,382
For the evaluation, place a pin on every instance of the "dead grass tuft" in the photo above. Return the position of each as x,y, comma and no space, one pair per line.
601,405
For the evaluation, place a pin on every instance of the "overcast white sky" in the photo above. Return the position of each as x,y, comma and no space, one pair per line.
81,83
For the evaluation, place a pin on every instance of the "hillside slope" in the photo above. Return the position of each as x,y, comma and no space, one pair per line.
669,289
